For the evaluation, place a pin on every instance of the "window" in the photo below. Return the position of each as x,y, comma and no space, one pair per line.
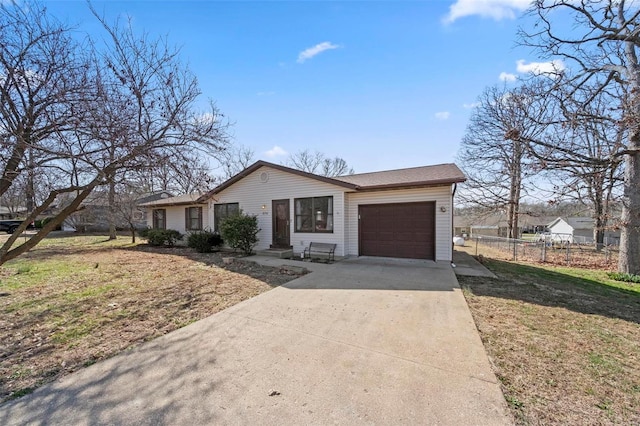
223,211
159,219
193,218
314,214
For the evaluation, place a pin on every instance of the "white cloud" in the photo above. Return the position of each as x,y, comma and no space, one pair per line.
505,76
495,9
442,115
471,105
537,68
315,50
276,151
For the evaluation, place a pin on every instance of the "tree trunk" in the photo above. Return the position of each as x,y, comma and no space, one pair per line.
598,235
133,234
31,188
599,220
112,209
629,261
514,190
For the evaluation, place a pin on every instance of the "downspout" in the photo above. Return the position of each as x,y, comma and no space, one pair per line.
453,193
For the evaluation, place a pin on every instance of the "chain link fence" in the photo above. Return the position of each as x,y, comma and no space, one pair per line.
557,253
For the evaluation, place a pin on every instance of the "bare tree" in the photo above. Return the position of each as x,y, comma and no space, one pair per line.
43,75
14,198
183,175
235,160
113,109
601,49
318,163
126,207
497,168
580,133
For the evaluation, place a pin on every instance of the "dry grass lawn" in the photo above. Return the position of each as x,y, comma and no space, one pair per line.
565,343
75,300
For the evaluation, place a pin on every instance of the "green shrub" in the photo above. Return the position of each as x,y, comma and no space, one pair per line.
204,241
240,231
160,237
629,278
39,224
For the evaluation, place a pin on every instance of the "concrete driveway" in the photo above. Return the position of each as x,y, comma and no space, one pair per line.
364,341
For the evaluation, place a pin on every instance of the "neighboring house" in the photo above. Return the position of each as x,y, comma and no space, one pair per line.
142,216
7,213
579,230
397,213
496,224
184,213
93,214
486,225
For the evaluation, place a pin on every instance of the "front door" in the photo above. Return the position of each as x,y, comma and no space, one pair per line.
281,224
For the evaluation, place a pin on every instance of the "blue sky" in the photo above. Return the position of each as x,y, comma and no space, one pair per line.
383,85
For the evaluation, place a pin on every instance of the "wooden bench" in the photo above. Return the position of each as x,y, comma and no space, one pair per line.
321,251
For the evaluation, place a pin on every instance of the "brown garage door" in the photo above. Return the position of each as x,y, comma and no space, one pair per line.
398,230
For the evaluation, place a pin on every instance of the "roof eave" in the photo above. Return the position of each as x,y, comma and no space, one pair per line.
426,184
180,203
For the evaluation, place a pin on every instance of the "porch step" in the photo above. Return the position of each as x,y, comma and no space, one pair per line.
279,253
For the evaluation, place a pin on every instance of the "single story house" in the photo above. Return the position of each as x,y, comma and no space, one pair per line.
404,213
93,213
8,213
184,213
496,224
579,230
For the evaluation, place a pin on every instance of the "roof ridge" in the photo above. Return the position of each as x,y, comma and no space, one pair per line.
396,170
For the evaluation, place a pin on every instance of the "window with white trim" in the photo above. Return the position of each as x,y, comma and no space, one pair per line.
159,218
314,214
193,218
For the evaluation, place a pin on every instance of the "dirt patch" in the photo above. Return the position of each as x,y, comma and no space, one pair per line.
566,350
66,306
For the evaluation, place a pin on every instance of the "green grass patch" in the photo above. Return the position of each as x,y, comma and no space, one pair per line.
514,402
592,280
22,392
603,364
629,278
89,292
25,272
75,331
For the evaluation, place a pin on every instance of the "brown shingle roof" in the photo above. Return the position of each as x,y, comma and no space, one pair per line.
441,174
255,166
174,201
411,177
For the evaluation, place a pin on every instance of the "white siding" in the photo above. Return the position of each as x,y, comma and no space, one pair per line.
252,194
441,195
561,227
176,217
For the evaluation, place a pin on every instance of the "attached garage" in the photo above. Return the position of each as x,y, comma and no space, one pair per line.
404,213
404,230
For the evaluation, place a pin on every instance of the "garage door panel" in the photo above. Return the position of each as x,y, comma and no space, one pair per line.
398,230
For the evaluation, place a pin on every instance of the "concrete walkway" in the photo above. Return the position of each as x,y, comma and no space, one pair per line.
466,265
364,341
